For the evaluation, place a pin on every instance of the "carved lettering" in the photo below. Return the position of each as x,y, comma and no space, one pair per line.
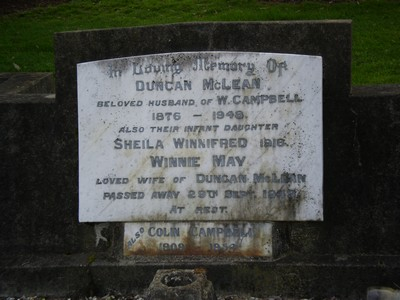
200,137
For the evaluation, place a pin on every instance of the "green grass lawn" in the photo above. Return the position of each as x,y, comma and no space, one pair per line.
26,39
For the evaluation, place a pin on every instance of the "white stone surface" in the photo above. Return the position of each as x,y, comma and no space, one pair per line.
199,238
252,121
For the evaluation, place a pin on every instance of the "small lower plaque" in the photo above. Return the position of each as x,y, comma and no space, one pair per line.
198,238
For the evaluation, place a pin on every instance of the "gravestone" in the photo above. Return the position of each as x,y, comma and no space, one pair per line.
200,136
279,40
47,251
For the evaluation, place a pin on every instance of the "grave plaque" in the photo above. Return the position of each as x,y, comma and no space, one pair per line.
202,136
201,238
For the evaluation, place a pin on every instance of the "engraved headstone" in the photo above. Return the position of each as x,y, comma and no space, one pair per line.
202,136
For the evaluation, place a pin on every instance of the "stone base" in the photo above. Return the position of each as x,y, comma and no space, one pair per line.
345,277
181,285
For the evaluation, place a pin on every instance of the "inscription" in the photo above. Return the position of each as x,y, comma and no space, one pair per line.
205,64
221,136
205,238
137,144
235,84
174,162
151,86
140,69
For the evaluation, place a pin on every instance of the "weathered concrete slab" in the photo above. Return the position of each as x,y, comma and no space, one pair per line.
17,88
373,91
27,83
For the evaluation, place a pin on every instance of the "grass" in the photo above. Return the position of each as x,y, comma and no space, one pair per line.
26,39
